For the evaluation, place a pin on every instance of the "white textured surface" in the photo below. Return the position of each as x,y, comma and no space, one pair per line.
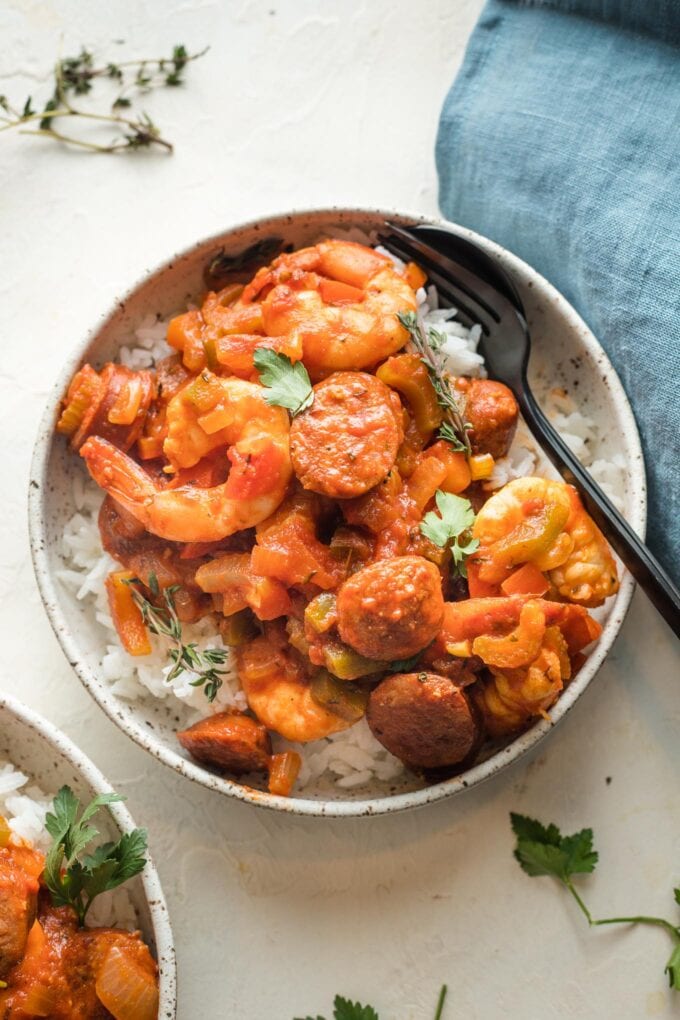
302,104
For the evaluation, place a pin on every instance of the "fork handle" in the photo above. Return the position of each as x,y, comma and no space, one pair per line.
644,567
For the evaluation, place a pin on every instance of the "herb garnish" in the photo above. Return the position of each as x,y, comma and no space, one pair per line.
452,527
75,878
428,343
163,620
544,850
344,1009
77,75
287,384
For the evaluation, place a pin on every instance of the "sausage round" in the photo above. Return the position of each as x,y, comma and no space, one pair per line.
424,719
392,608
492,410
235,743
347,441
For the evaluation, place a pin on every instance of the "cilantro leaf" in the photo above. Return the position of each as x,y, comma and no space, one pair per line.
288,384
676,893
545,851
74,878
343,1009
451,526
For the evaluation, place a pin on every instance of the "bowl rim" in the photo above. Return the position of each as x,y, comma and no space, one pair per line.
388,804
153,891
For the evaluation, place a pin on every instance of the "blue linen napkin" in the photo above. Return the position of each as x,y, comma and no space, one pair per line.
560,139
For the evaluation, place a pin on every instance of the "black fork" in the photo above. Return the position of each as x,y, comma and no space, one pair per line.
469,279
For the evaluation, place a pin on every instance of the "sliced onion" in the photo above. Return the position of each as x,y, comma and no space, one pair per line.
40,1000
126,989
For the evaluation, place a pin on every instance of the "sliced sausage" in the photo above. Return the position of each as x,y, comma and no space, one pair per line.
235,743
18,904
424,719
392,608
347,441
492,410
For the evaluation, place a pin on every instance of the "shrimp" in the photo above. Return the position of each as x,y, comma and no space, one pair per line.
212,412
278,691
511,697
218,413
341,298
588,576
536,520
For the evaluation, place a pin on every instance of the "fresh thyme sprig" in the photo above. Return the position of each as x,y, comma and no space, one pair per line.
77,75
163,620
428,343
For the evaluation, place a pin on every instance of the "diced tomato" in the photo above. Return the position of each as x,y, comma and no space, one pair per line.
527,580
254,473
479,589
458,475
333,292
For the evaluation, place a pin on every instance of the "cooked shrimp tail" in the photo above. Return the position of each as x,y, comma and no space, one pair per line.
252,492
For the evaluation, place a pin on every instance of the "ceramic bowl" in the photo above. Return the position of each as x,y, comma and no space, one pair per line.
565,353
51,760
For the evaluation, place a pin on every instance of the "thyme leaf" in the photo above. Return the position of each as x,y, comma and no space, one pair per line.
163,620
428,343
76,76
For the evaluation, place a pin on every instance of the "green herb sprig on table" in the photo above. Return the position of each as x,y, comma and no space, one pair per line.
77,76
163,620
428,343
451,526
344,1009
75,878
286,384
543,850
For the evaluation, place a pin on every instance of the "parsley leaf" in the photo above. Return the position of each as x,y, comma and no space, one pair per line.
673,969
74,878
343,1009
543,850
452,527
288,384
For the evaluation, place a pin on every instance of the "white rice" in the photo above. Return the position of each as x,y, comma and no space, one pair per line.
24,805
352,759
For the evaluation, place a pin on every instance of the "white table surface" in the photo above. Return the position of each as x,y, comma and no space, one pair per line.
300,104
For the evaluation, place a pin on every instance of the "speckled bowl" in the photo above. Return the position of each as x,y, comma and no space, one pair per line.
51,760
565,353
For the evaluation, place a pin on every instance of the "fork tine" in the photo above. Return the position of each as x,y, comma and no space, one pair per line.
475,288
476,312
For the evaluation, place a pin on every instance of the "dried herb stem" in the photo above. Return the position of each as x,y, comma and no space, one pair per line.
77,75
